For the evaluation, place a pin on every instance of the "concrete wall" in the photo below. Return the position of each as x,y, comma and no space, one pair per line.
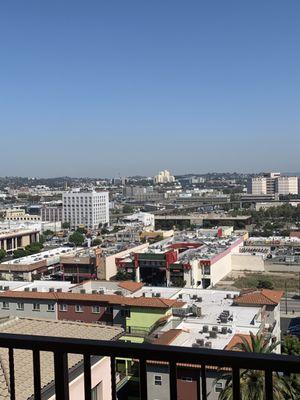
247,262
270,267
108,268
101,379
28,311
155,391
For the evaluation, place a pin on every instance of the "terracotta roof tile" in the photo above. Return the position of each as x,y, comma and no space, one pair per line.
168,337
236,340
260,297
131,286
112,299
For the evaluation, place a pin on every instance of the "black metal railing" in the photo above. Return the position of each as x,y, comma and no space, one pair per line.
173,355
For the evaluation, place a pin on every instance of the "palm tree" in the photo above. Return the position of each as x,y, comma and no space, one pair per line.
252,381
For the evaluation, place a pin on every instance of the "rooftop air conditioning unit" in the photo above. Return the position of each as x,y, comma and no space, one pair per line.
196,345
199,299
82,291
208,345
200,342
1,287
27,289
213,334
51,290
180,296
101,291
215,329
205,329
224,330
118,292
94,291
59,290
158,295
6,287
34,289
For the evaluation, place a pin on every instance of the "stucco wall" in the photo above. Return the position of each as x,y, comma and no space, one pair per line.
28,309
247,262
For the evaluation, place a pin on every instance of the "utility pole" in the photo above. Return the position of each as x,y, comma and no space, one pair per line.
299,285
286,300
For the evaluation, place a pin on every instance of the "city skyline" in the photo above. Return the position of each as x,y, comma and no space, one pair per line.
133,89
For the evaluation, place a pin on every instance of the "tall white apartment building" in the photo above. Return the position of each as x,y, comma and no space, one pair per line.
258,186
85,207
164,177
287,185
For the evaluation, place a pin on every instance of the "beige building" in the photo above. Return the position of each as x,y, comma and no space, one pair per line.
19,215
11,240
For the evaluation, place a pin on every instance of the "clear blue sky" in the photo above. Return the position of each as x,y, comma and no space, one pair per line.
98,88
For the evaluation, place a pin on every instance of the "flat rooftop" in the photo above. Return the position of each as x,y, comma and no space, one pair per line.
44,255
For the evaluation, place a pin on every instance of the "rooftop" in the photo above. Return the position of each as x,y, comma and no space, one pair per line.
44,255
23,358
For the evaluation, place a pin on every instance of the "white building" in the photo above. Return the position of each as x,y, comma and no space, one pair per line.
164,177
287,185
85,207
271,183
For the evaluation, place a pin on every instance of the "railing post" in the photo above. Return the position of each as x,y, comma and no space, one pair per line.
87,377
236,391
12,387
143,379
113,378
173,380
203,382
269,384
61,376
36,374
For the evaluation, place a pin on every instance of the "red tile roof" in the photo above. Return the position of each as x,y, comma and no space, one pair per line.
168,337
236,340
131,286
260,297
112,299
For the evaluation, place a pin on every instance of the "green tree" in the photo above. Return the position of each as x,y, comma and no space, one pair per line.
81,230
252,381
265,284
96,242
77,238
2,254
20,253
66,225
127,209
48,232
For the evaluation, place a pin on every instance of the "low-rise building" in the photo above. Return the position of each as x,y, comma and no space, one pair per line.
12,239
36,265
23,361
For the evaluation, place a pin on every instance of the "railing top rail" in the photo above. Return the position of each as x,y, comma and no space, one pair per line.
184,355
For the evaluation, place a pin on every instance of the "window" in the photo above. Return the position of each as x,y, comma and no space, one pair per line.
219,387
96,310
50,307
36,307
5,305
20,306
157,380
63,307
78,308
125,313
97,392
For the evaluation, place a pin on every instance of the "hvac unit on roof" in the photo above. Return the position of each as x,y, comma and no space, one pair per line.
157,295
118,292
27,289
34,289
82,291
196,345
208,345
101,291
205,329
59,290
200,342
94,291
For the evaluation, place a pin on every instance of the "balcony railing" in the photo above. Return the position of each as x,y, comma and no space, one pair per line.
172,355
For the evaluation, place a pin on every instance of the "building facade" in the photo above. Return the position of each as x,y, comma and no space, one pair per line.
85,208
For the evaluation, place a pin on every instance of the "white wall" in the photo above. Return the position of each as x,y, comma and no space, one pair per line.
247,262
